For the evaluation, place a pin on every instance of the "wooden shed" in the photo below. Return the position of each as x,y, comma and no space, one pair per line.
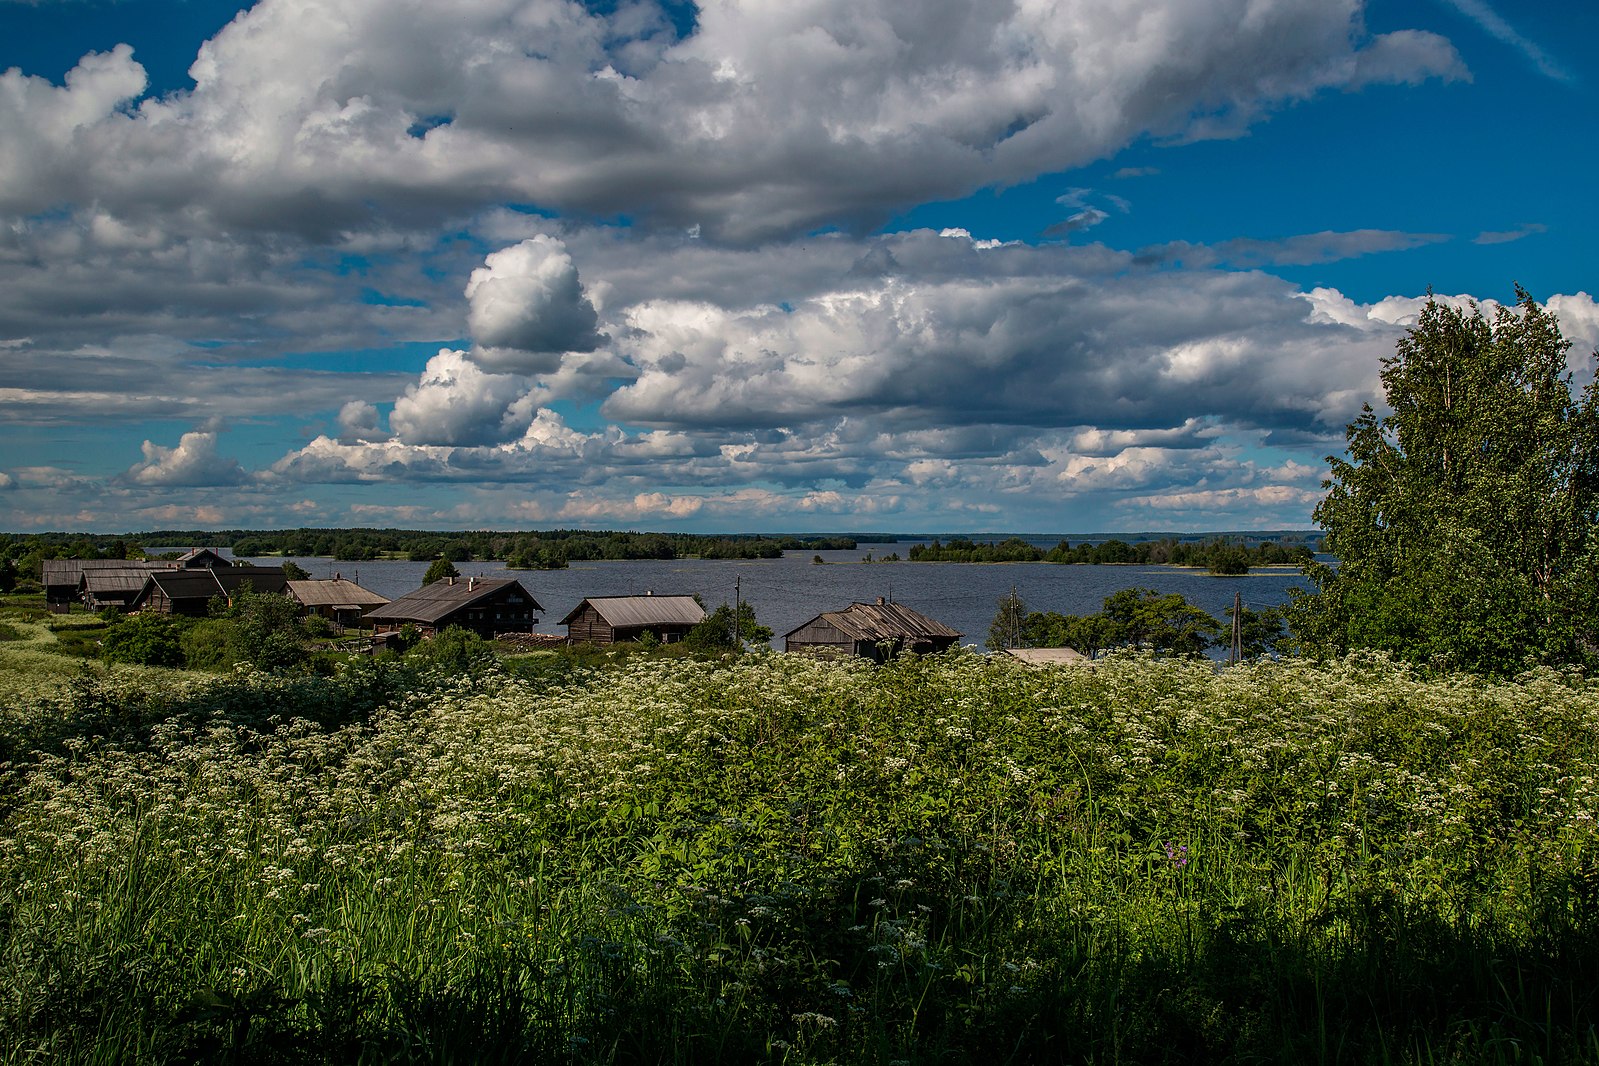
610,619
871,630
486,606
63,578
335,599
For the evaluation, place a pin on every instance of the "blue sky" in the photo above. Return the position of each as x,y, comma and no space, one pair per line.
868,265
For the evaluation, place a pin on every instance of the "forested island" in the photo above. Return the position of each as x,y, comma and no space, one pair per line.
1219,556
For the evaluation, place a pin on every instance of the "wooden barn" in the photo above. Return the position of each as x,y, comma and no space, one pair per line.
335,599
872,631
611,619
63,578
114,586
190,592
486,606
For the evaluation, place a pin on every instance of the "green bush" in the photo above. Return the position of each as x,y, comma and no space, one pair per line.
145,640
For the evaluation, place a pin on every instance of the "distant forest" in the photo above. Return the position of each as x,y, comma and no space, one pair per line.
551,550
1219,556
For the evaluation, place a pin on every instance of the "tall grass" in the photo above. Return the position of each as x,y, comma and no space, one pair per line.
943,860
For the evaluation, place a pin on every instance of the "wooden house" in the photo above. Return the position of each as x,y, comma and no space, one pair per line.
190,592
484,605
63,578
335,599
871,630
611,619
114,586
202,559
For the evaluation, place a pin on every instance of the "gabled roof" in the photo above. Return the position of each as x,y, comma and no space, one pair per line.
883,621
204,583
437,601
625,612
68,571
196,558
103,579
334,592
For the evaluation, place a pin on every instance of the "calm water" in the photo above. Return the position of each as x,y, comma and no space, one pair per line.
790,591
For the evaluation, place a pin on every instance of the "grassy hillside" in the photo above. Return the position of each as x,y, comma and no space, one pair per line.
942,860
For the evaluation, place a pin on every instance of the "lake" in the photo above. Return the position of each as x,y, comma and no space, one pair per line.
790,591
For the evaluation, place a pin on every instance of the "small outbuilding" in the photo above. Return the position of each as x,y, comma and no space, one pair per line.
872,631
611,619
1047,656
114,586
486,606
335,599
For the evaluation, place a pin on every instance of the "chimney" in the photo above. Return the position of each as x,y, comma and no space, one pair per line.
879,601
471,583
336,576
451,580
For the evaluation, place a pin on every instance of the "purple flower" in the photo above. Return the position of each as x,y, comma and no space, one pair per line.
1176,854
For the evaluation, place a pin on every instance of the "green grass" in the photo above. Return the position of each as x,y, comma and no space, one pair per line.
776,860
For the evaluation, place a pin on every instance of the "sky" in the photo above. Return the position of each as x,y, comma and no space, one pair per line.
822,265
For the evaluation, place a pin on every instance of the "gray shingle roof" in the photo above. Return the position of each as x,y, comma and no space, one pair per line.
334,592
884,621
431,603
625,612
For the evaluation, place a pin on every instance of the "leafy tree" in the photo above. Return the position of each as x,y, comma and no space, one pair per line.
293,571
1259,631
1008,629
1464,521
1166,623
441,569
725,629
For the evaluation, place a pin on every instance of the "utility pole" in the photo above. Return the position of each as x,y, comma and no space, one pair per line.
738,607
1238,627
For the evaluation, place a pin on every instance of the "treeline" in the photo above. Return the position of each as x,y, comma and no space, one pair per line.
525,550
1222,556
1163,623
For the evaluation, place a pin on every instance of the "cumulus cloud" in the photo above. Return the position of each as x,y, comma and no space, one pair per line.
194,462
318,116
456,402
358,420
528,308
1011,335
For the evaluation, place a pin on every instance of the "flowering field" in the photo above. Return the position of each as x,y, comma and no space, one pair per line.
942,860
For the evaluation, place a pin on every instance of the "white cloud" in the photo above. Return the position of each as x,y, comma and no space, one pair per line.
194,462
456,402
317,116
528,307
358,420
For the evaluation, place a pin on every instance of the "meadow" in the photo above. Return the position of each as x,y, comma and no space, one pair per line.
948,859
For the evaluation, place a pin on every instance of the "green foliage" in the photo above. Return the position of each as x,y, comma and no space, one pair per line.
1136,618
145,640
726,630
454,649
1006,630
1260,632
441,569
1464,521
778,860
293,571
964,550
